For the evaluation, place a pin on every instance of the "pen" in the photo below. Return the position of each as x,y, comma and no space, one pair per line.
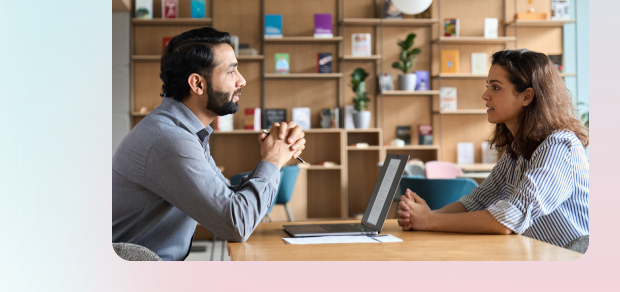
298,158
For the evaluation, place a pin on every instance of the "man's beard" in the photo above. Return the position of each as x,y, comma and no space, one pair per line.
218,101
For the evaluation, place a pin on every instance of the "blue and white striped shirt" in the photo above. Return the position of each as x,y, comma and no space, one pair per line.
546,197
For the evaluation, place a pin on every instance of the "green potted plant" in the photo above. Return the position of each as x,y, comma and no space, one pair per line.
361,117
406,62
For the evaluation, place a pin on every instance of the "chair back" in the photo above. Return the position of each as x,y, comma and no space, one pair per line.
134,252
288,177
437,192
442,169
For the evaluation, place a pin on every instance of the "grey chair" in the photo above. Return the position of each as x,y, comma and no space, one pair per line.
580,244
134,252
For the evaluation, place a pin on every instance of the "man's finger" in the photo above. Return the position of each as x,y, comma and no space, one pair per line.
295,134
283,128
299,145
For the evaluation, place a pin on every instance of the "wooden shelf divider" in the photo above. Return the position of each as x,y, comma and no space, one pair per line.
388,22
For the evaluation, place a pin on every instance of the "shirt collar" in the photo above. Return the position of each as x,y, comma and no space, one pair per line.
184,115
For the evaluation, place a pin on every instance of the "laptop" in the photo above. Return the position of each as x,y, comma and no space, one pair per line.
376,211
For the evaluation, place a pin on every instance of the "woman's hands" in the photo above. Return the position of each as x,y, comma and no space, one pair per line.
413,212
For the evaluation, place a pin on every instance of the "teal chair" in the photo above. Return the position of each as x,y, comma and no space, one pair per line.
288,177
436,192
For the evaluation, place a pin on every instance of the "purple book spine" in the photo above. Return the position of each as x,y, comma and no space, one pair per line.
323,24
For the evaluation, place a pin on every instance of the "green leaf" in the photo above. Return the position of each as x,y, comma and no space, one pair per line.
409,41
414,51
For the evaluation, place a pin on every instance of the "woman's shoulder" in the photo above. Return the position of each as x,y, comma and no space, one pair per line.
559,138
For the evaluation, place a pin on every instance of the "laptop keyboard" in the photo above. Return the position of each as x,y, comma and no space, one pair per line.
344,227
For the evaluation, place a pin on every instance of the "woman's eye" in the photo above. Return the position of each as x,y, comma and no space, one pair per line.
495,87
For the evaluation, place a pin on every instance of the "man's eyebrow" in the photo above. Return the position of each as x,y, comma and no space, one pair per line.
232,65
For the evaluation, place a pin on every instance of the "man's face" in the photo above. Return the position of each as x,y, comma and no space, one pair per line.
224,86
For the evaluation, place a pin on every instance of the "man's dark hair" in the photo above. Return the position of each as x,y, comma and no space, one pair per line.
188,53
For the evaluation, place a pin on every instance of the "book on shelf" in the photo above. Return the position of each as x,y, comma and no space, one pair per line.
235,44
329,118
423,80
559,10
479,63
489,154
447,98
451,27
274,116
225,123
386,83
360,43
557,61
273,26
166,41
301,117
282,63
199,9
490,28
391,11
465,153
169,8
245,50
404,133
252,119
324,64
348,117
449,61
425,134
144,9
323,25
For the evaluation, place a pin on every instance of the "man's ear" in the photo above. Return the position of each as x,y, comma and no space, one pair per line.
197,83
528,96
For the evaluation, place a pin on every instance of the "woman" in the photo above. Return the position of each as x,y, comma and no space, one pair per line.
540,186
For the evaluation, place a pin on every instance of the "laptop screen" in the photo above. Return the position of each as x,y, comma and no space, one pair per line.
385,189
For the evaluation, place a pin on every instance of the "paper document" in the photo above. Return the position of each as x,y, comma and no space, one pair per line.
343,239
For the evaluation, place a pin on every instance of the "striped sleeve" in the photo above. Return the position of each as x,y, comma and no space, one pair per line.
542,189
488,192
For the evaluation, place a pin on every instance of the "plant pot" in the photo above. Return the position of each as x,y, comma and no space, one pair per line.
407,81
361,120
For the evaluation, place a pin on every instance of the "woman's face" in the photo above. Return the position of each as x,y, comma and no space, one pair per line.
504,104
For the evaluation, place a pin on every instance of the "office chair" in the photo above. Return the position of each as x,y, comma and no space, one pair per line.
436,192
580,244
134,252
441,169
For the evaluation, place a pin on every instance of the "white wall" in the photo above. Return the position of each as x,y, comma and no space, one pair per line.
120,76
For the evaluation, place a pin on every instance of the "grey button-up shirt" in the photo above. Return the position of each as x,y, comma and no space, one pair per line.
164,180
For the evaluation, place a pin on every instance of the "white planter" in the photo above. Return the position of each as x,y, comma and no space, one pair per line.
361,120
407,81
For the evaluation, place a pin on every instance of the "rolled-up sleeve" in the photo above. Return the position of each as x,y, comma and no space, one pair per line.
179,172
541,190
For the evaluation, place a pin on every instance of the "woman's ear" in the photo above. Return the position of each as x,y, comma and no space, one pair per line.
196,83
528,96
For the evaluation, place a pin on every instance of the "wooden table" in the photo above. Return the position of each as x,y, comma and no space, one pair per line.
266,244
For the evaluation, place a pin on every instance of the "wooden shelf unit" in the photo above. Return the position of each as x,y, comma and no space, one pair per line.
173,21
358,58
539,23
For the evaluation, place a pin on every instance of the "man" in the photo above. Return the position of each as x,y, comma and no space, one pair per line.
163,176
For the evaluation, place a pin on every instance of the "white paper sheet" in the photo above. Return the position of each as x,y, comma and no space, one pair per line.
343,239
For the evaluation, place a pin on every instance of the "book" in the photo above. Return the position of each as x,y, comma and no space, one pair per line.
404,133
423,80
348,117
425,134
252,119
386,83
235,44
273,26
479,63
391,11
166,41
248,52
490,28
282,63
559,10
301,117
169,8
465,153
449,61
329,118
489,155
323,25
557,61
360,43
451,27
199,9
225,123
447,98
274,116
324,64
144,9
